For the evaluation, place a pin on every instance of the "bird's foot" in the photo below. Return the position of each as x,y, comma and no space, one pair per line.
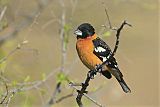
98,68
92,73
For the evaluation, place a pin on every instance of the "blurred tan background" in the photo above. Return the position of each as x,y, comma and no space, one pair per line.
36,22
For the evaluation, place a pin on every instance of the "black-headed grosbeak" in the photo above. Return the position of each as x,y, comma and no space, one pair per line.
93,51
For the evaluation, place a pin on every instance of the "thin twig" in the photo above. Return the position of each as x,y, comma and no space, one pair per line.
5,97
19,46
2,13
64,97
88,97
9,98
57,90
110,25
117,36
63,52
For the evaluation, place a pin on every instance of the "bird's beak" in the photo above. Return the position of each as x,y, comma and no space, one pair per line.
78,32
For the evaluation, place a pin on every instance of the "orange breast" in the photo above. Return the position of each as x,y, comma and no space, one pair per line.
85,50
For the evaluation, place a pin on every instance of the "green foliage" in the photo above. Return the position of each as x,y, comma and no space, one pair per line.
106,34
61,77
27,79
67,28
14,83
43,76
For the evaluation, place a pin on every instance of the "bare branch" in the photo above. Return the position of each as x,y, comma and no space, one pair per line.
57,90
5,97
2,13
9,98
110,25
19,46
88,97
64,97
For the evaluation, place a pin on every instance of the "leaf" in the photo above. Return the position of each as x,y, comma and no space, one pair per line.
67,28
27,79
61,77
43,76
66,40
14,83
106,34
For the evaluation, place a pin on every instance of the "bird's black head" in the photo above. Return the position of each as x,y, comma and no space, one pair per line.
84,30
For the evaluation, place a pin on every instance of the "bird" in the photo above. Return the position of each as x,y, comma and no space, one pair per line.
93,51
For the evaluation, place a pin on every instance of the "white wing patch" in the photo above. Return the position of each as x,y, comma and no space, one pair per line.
103,58
116,66
100,49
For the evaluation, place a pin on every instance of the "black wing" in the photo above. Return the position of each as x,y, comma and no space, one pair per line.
102,51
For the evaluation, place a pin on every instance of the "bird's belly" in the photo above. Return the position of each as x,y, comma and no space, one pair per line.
88,58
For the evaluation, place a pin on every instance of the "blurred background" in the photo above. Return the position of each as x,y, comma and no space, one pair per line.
37,51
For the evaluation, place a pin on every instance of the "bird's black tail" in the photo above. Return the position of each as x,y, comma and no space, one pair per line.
124,85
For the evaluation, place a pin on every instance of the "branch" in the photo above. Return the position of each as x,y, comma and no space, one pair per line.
118,34
5,97
65,97
19,46
88,97
2,13
63,39
57,90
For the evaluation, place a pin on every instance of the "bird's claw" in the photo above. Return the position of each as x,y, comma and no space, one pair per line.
98,68
92,73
